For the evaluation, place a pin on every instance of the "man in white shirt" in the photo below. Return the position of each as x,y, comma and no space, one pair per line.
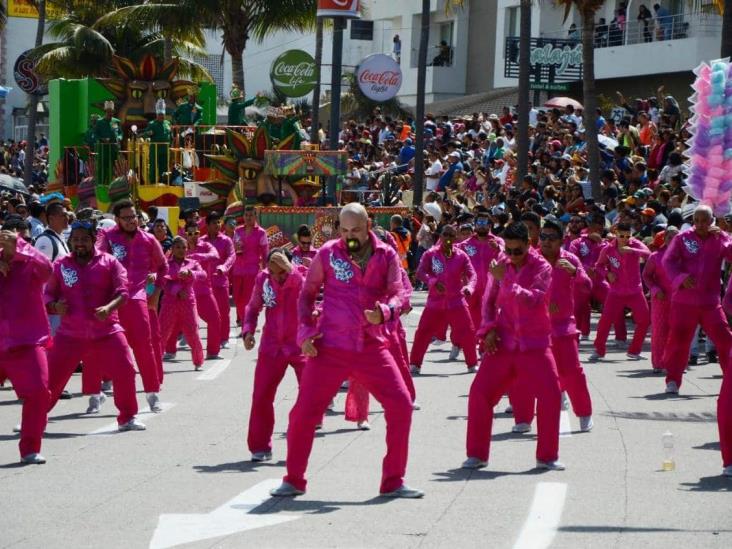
50,242
433,172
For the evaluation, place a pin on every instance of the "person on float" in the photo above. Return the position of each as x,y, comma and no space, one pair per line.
220,272
362,290
24,332
276,290
178,310
87,290
142,257
693,263
620,264
252,247
449,274
516,334
658,283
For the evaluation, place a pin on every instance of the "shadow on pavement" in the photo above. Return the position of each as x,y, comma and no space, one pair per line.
667,396
706,417
243,466
708,446
460,475
312,507
637,374
717,483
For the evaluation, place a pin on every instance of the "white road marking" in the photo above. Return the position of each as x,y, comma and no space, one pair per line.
143,416
544,516
565,426
231,517
215,371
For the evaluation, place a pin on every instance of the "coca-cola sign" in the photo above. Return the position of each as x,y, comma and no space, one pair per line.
294,73
338,8
379,77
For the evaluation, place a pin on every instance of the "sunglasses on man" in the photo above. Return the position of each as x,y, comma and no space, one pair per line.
515,251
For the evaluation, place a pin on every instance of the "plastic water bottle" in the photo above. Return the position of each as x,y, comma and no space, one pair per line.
668,452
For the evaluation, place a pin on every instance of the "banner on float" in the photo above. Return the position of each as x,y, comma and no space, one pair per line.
338,8
379,77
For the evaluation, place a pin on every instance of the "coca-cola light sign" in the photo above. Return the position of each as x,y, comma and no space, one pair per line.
294,73
379,77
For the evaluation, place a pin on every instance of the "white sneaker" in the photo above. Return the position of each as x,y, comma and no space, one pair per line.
261,456
633,356
225,344
727,471
132,425
672,388
285,490
416,406
363,425
595,357
474,463
565,401
438,342
521,428
550,465
95,403
454,352
169,356
33,459
586,424
404,492
154,401
414,369
16,429
472,369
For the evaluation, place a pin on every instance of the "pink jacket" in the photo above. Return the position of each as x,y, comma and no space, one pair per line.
207,258
655,275
347,293
518,306
23,319
279,335
481,253
139,255
251,250
172,283
587,251
562,292
456,274
701,258
298,254
84,288
625,266
225,246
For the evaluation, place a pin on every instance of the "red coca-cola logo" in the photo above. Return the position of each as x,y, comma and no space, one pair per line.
388,78
379,77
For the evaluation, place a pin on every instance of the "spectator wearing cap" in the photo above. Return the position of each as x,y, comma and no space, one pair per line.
455,165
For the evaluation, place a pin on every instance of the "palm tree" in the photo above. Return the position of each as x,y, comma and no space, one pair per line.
315,118
588,9
30,152
524,91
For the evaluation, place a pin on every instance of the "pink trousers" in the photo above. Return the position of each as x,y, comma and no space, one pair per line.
683,323
179,315
242,286
208,310
660,329
373,367
614,306
565,350
432,324
27,369
583,309
157,342
106,357
135,319
268,374
221,295
535,370
724,419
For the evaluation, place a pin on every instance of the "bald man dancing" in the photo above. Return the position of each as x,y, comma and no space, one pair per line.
361,282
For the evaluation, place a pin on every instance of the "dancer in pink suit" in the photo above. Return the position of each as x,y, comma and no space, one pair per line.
87,289
220,272
252,248
362,290
276,290
517,338
304,252
659,285
619,263
24,332
693,263
178,311
451,279
724,403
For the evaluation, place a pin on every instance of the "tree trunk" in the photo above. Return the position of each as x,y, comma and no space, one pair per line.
315,116
590,101
727,30
523,97
424,39
30,148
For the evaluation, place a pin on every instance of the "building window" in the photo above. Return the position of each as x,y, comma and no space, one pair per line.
212,63
512,22
362,30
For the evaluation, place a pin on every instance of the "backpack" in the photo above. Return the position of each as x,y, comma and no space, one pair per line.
55,242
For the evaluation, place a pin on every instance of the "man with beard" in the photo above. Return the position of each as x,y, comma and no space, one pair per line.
24,332
87,289
142,256
362,290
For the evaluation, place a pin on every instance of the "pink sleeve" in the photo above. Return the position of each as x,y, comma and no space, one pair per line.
306,304
581,279
254,307
649,274
489,310
229,257
102,243
119,277
727,300
263,249
471,279
424,271
197,271
393,306
672,262
601,265
640,248
41,266
159,263
540,284
52,291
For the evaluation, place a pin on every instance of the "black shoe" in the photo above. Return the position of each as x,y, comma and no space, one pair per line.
65,395
693,360
712,357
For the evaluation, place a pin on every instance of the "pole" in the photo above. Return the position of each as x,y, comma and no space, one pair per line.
335,103
424,38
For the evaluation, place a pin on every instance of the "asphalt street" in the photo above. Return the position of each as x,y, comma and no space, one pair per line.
187,481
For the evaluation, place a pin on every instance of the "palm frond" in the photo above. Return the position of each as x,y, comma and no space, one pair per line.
193,71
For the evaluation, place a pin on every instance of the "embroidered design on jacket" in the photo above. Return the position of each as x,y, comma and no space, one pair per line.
584,250
341,269
614,261
470,250
70,276
437,266
268,295
119,251
692,246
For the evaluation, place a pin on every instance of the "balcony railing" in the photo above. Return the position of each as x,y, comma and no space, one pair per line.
672,27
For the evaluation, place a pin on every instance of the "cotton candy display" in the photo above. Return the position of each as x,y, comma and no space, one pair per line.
710,145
